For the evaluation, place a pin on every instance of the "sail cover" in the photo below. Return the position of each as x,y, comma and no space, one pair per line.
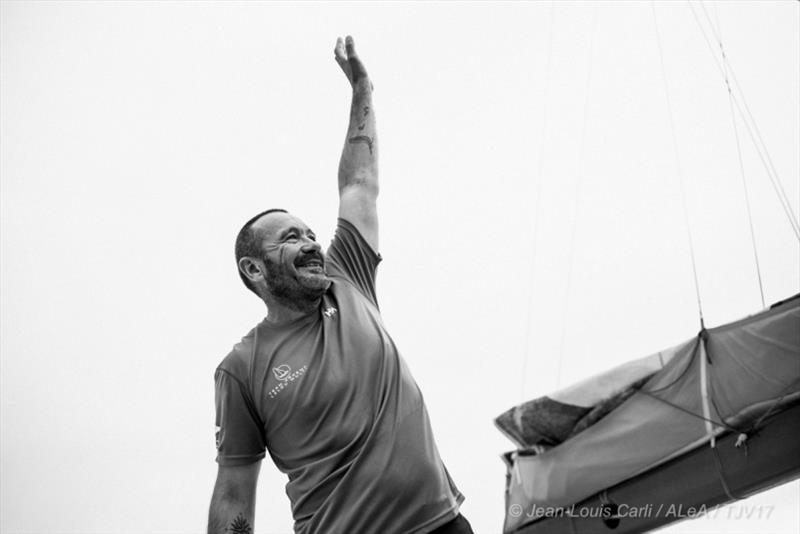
591,436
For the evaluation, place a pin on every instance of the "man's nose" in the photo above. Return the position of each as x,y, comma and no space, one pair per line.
310,247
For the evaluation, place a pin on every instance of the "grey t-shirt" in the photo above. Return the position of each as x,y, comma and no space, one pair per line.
332,400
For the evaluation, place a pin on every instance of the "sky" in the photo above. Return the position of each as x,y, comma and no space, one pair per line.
533,227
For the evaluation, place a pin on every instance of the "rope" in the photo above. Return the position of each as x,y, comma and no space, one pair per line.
786,390
525,355
756,138
718,462
578,184
739,154
678,166
771,166
747,201
721,423
778,183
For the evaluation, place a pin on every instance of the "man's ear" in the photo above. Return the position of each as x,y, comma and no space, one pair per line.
252,269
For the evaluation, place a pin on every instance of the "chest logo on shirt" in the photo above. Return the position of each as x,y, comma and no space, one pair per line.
329,312
282,372
285,376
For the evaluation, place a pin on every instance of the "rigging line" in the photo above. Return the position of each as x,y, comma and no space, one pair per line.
756,139
716,17
687,411
721,473
786,391
531,279
785,204
777,186
726,67
747,201
678,168
578,184
717,36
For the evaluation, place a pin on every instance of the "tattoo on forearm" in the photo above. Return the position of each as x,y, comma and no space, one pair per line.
361,139
366,112
240,526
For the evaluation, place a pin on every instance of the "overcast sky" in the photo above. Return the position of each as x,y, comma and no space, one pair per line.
532,225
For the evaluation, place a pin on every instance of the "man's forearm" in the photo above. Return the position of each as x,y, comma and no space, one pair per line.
359,162
230,515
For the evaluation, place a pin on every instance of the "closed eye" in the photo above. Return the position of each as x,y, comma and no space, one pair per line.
294,235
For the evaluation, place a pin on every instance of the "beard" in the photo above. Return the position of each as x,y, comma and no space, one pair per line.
296,290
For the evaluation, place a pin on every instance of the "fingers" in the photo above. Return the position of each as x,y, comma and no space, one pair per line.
339,51
350,45
345,49
348,60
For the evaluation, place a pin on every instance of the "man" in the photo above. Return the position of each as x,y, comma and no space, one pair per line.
319,382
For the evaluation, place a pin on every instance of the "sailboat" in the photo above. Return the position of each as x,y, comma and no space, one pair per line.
669,436
716,421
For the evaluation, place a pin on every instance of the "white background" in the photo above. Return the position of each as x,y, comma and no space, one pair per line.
138,137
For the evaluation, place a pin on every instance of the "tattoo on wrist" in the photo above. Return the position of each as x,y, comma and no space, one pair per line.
361,139
240,526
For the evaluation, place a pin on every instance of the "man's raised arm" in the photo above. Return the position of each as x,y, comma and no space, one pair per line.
358,167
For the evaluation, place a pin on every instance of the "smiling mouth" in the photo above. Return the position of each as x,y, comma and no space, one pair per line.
314,266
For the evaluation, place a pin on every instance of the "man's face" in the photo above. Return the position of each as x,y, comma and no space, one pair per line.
294,261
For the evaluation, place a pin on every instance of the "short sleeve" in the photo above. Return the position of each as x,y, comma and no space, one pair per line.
351,257
240,437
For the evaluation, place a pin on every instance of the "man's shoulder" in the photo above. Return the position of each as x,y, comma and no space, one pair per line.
237,361
344,288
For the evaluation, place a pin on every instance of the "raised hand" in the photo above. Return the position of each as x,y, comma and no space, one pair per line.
348,60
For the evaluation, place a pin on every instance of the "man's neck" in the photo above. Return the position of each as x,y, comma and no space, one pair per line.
280,312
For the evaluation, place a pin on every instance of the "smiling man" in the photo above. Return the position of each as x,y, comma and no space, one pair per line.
319,382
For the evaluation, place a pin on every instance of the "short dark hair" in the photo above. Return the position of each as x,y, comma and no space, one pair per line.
249,244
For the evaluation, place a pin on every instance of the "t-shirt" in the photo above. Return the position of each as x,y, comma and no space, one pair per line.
330,398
